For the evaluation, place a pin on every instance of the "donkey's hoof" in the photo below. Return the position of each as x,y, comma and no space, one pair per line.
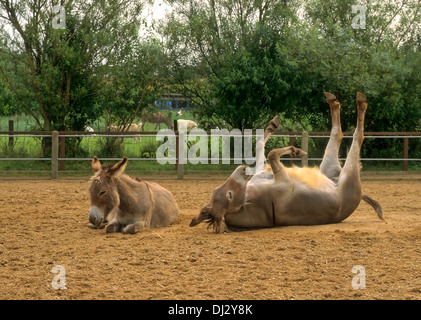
111,228
130,229
332,101
361,98
273,124
276,121
297,152
329,96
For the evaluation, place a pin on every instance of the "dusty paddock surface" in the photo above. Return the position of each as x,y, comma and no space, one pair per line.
44,224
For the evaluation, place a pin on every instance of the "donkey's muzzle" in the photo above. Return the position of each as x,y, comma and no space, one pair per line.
95,216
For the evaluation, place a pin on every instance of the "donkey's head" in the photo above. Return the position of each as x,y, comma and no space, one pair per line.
227,198
103,191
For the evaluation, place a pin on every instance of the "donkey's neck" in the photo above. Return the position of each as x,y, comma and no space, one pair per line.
125,187
243,220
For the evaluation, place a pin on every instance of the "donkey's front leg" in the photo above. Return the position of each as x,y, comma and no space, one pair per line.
113,226
135,227
278,169
260,145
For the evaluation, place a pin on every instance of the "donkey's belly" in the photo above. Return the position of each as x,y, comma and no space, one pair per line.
282,204
307,207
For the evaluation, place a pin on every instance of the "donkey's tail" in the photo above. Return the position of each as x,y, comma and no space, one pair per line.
376,206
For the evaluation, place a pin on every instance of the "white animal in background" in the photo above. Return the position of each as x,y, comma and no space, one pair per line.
179,113
89,129
131,128
186,124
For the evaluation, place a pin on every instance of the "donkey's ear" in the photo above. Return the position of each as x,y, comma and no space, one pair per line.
118,169
96,164
203,215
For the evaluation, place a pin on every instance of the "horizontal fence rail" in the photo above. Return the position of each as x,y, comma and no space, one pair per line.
58,157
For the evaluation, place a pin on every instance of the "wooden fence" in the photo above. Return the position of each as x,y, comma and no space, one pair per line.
58,153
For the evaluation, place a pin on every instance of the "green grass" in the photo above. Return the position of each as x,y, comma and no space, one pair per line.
21,122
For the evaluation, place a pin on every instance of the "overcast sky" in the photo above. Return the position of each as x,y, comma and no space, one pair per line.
156,12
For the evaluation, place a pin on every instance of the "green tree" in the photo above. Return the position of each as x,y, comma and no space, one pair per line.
380,60
226,56
136,81
7,98
243,61
57,74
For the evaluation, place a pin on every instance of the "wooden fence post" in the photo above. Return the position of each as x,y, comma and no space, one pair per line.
304,147
11,125
54,155
405,153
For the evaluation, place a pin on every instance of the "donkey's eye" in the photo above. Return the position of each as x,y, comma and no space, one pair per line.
101,193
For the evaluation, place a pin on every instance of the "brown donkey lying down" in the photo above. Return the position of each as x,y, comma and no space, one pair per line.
279,196
125,204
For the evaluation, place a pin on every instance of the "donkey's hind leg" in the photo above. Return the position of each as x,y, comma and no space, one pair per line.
330,166
349,183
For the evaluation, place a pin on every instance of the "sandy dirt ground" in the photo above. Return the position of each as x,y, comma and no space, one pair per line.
44,224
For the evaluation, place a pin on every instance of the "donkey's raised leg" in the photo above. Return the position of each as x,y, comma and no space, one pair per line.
260,145
330,166
278,169
349,183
